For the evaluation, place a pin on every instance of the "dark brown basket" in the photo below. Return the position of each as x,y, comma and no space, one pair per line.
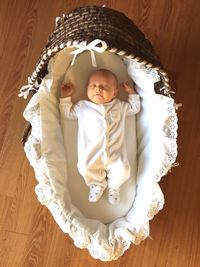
88,23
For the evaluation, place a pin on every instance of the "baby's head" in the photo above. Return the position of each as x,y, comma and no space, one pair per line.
102,86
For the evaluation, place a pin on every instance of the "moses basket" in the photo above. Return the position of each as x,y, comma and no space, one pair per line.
86,39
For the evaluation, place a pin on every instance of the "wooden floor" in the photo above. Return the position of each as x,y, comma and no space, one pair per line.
29,236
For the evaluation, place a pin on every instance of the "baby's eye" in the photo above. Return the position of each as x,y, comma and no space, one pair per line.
105,87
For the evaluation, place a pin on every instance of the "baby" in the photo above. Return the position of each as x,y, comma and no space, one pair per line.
102,157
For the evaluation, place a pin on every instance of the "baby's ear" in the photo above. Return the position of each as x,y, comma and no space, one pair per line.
116,92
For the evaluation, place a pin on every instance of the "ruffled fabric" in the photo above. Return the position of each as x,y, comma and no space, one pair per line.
104,242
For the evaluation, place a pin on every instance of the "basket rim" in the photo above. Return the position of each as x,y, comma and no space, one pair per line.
48,52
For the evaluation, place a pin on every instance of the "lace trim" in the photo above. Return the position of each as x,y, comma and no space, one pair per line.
170,128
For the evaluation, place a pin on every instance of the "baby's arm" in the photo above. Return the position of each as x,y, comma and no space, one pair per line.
133,99
67,108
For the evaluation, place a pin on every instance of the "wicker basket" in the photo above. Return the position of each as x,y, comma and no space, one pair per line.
85,24
122,37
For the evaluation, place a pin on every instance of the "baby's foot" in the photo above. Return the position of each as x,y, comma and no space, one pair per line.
113,195
95,193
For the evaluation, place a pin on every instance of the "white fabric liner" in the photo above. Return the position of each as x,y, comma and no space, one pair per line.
106,230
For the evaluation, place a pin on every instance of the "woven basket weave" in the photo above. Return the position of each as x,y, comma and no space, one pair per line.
88,23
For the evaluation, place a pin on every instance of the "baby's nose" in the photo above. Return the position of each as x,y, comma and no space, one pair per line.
98,88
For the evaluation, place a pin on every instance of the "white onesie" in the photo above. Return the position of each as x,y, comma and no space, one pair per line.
102,157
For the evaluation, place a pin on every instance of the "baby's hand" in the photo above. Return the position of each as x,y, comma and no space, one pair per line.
128,88
67,90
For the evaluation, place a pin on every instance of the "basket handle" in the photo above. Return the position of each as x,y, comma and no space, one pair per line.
26,133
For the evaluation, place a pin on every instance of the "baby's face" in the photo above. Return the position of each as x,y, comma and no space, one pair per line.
102,88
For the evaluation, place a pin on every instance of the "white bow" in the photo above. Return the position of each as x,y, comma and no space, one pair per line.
92,46
25,90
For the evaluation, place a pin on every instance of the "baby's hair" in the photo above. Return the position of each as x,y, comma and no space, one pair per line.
106,72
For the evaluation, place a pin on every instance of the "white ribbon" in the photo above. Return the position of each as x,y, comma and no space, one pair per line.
92,46
25,90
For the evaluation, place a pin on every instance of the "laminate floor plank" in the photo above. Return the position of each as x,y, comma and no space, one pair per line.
29,236
12,247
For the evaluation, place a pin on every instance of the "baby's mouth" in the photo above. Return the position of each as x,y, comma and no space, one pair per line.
98,95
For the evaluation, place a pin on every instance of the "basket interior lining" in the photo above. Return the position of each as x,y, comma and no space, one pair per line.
101,210
61,71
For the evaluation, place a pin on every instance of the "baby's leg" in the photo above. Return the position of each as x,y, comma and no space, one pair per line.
118,172
93,175
95,179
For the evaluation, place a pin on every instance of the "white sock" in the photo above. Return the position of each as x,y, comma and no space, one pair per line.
95,193
113,195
